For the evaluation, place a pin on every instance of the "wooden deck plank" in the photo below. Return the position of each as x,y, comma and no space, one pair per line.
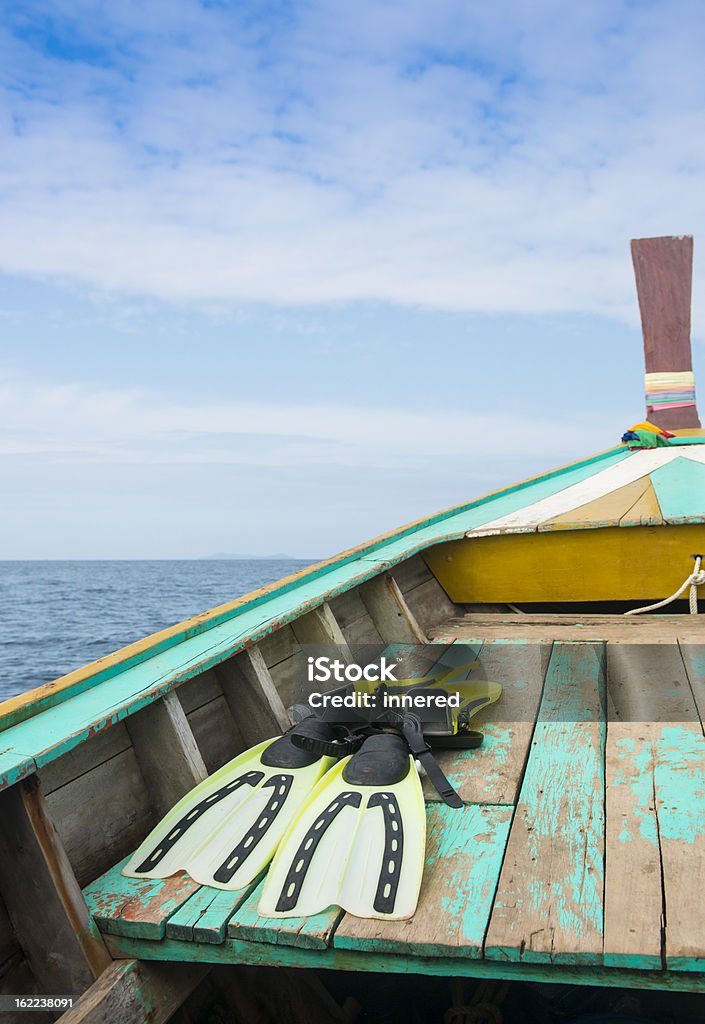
492,773
648,683
693,655
680,803
548,627
204,917
313,932
549,901
633,885
464,852
136,907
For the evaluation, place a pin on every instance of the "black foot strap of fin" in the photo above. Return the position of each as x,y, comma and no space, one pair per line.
420,750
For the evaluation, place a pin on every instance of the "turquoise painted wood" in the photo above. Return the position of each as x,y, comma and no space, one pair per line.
680,489
574,689
464,851
484,775
14,766
548,907
134,906
633,883
204,917
238,951
313,932
127,687
492,774
679,784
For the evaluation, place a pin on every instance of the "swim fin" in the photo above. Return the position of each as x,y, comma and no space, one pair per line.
358,841
225,830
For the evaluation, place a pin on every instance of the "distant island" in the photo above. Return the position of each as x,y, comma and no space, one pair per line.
260,558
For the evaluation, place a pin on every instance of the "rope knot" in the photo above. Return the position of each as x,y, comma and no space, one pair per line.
691,583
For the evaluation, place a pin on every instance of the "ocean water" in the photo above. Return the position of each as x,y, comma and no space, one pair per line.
57,616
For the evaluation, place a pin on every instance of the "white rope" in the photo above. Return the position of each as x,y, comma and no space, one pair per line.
695,580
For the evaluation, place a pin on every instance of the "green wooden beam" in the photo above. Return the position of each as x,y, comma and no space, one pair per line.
237,951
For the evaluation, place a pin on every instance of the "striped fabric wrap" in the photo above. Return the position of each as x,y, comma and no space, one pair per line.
672,390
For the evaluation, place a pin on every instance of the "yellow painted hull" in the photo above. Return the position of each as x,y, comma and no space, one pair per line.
608,564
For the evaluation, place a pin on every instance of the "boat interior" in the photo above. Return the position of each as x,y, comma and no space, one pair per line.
578,854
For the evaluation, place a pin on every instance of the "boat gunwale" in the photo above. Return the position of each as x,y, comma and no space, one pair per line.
39,699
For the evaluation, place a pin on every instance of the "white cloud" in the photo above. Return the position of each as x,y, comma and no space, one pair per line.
107,473
473,157
76,424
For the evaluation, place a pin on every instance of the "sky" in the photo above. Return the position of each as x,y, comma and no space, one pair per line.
279,277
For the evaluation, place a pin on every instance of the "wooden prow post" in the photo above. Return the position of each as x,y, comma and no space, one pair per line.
663,268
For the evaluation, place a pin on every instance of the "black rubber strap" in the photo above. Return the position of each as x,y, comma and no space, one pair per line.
341,743
420,750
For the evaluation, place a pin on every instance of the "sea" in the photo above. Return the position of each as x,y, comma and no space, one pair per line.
56,616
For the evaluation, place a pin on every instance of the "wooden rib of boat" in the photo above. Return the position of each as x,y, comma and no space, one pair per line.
580,849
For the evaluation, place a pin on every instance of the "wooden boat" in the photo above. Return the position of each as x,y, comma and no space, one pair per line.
579,853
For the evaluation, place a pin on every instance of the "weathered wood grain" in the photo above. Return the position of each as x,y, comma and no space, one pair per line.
89,755
348,608
680,803
633,884
411,573
239,951
200,690
254,702
362,631
663,268
492,773
693,655
320,626
277,646
464,851
520,666
354,619
549,900
166,751
137,907
648,683
262,685
204,917
121,814
638,629
393,619
307,932
42,896
133,992
216,733
430,604
284,678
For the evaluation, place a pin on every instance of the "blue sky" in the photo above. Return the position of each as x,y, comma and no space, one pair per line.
279,277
